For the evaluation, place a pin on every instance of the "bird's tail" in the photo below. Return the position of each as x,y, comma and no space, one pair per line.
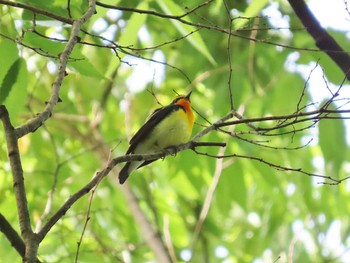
124,173
129,168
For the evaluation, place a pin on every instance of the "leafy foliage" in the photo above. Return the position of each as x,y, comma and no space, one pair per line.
248,207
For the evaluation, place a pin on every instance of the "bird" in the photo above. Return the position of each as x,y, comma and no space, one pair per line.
167,126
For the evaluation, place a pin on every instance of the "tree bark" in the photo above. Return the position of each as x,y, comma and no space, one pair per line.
323,40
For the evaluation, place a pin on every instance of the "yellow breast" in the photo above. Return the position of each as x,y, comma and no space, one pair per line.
175,129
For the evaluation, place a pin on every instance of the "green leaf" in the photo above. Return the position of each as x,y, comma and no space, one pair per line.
129,36
9,80
38,3
84,67
8,54
253,9
232,184
169,7
333,143
17,98
45,46
47,5
9,68
136,21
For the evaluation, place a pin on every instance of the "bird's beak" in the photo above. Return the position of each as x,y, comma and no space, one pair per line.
188,95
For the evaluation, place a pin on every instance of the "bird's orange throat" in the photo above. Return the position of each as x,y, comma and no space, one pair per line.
187,106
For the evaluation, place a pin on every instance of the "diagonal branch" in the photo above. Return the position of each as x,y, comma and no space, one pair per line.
331,180
11,234
31,246
17,172
209,196
150,12
39,120
99,176
151,237
323,40
37,10
295,117
169,151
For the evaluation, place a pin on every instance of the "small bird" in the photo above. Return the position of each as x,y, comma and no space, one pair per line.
168,126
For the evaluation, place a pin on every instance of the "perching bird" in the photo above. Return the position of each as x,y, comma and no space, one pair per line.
167,126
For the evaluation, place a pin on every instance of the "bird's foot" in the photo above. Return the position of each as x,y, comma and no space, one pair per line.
171,150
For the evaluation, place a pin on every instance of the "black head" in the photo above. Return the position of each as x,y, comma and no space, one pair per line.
187,97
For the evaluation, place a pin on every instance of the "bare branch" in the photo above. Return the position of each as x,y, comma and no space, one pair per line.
37,50
313,115
111,164
14,238
204,26
11,234
278,167
323,40
209,196
50,194
35,123
149,12
229,85
168,241
151,236
31,246
17,171
87,219
36,10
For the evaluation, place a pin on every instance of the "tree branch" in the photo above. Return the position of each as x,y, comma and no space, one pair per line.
169,151
209,196
31,240
17,171
39,120
203,26
323,40
331,180
31,246
151,236
111,164
294,116
11,234
150,12
37,10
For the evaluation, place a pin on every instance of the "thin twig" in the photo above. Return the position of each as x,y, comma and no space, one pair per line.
35,123
37,10
87,219
209,196
150,12
50,194
111,164
332,180
229,85
168,241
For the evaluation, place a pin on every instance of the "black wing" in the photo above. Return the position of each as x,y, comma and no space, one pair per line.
157,116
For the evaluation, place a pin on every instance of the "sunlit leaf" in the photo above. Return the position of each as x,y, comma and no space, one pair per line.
84,67
252,10
333,143
268,206
9,81
9,54
171,8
